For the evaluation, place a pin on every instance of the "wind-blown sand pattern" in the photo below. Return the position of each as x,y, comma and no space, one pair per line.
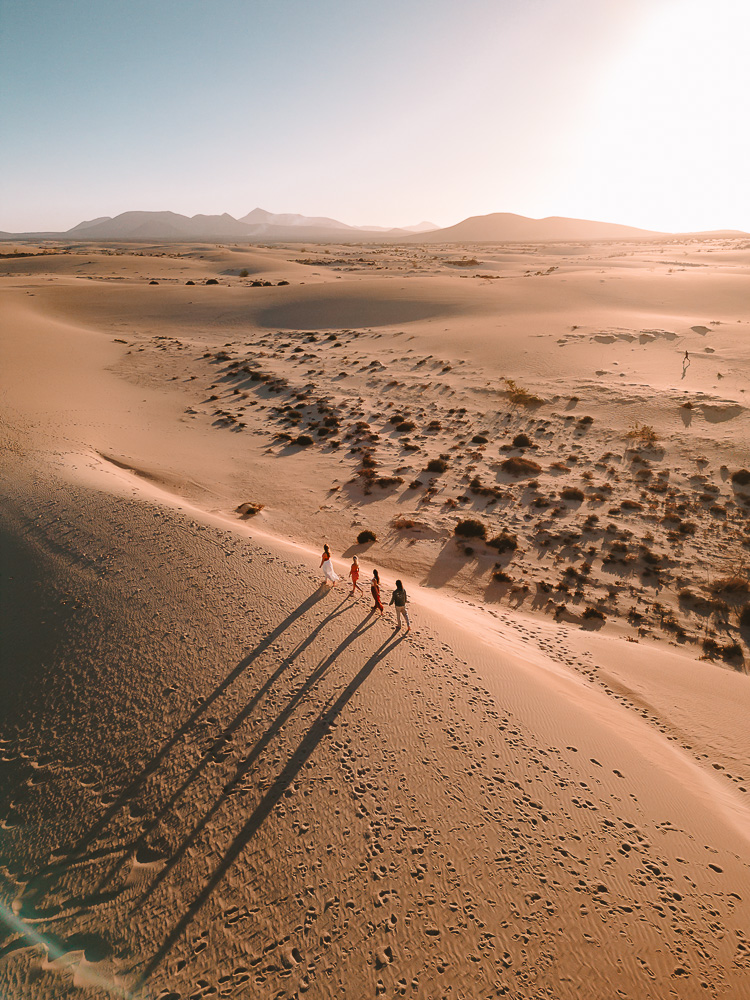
219,778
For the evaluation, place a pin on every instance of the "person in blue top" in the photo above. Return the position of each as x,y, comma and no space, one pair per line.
398,600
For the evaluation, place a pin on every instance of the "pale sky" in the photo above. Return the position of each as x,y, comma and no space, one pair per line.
382,113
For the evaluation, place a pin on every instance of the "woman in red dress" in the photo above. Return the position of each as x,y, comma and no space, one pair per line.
375,591
354,574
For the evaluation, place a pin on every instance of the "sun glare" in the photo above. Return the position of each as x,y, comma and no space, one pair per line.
668,124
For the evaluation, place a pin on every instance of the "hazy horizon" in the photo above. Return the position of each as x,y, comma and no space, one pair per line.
629,113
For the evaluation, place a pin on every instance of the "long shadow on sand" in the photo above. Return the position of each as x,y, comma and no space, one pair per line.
41,880
226,734
273,730
294,765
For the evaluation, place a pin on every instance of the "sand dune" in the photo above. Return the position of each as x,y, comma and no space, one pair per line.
220,779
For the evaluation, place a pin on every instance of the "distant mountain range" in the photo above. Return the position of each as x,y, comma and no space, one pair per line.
260,226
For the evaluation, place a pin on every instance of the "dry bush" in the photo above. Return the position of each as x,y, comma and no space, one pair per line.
366,536
520,466
594,614
642,434
249,509
736,583
741,477
403,523
518,394
437,465
521,441
571,493
504,542
470,528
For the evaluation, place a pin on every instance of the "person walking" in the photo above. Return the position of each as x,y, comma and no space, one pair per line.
398,600
329,573
354,574
375,591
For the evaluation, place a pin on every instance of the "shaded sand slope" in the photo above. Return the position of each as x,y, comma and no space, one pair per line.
217,776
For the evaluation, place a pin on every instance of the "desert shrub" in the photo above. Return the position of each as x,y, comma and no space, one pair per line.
212,281
594,614
479,439
734,584
631,505
744,616
642,434
500,576
282,282
434,425
741,477
244,272
518,394
153,282
189,282
437,465
384,481
249,509
731,651
416,484
522,441
303,440
403,523
397,418
571,493
710,647
470,528
405,427
366,536
520,466
585,421
504,542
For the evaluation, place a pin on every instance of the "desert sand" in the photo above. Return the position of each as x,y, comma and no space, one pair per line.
221,779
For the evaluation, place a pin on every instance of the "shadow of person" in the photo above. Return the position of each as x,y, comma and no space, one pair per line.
244,765
224,737
130,790
296,762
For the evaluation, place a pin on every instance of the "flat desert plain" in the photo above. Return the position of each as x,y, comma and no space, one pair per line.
220,778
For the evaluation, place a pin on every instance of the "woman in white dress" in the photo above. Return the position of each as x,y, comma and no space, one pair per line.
329,573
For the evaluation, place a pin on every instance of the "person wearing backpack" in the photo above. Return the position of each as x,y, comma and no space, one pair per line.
398,600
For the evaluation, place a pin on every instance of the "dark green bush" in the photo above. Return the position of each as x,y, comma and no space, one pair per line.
520,466
470,528
504,542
